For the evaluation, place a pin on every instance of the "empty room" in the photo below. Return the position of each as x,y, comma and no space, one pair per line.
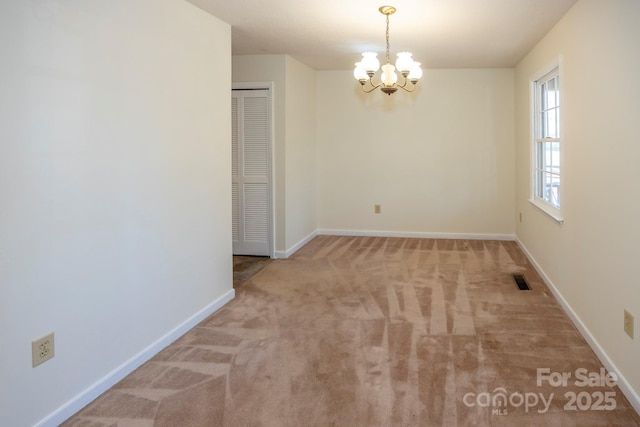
406,181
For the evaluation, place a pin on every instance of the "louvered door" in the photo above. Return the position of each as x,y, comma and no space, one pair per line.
251,171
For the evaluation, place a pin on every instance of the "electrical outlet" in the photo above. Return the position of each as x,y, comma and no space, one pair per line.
42,349
376,209
628,323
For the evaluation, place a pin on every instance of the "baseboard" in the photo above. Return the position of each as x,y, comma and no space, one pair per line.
416,234
631,395
279,254
381,233
293,249
104,384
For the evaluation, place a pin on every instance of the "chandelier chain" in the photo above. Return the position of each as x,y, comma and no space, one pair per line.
388,61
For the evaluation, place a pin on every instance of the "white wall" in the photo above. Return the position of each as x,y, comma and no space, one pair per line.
115,180
301,153
439,160
592,258
294,145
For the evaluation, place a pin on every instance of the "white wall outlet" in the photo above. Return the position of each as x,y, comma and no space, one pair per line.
628,323
377,209
42,349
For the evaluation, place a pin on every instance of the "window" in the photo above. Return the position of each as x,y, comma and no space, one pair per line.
546,150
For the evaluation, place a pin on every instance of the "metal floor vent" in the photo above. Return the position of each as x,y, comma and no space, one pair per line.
521,282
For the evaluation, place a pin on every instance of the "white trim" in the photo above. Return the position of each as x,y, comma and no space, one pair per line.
280,255
632,396
543,206
61,414
554,63
386,233
251,85
293,249
416,234
545,209
272,144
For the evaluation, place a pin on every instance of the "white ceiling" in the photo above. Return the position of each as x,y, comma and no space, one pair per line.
331,34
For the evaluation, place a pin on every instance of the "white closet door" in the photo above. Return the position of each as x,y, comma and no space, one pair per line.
251,154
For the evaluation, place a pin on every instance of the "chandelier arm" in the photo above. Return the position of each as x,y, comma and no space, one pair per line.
404,85
373,87
370,90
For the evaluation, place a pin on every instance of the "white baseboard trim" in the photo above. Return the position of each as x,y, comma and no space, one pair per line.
631,395
89,395
293,249
383,233
416,234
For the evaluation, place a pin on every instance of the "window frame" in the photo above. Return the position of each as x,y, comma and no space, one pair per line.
548,73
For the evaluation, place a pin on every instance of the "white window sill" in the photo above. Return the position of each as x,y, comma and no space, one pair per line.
548,210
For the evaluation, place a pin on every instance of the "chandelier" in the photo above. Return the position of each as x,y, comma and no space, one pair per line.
408,68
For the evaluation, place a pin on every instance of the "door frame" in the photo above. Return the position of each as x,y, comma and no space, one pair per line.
271,157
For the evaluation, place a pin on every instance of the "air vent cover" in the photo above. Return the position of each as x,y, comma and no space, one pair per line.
521,282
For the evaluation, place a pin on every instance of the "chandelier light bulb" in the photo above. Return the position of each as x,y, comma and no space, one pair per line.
416,73
370,62
404,63
389,76
360,74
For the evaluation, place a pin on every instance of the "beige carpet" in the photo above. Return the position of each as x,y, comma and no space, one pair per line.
355,331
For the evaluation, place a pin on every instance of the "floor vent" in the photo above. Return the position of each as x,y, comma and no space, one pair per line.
521,282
